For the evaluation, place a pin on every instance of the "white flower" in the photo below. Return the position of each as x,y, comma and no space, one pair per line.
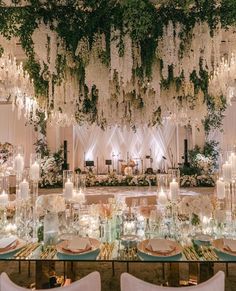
50,203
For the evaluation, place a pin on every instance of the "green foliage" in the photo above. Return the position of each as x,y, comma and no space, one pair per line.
139,18
202,160
215,114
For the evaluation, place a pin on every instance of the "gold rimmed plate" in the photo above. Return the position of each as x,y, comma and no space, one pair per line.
220,246
62,248
175,249
19,243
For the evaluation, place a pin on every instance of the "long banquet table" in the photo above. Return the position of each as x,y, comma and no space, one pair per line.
200,256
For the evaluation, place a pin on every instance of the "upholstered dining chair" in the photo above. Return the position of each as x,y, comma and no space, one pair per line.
91,282
129,282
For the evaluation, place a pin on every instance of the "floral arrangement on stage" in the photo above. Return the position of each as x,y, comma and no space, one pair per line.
51,165
201,168
120,180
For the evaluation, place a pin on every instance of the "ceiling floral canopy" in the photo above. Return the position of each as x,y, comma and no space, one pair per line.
127,62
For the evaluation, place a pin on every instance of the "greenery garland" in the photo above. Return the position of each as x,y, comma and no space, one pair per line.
139,18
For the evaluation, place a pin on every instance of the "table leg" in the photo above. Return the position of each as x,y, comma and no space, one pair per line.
173,279
41,276
206,271
113,268
193,273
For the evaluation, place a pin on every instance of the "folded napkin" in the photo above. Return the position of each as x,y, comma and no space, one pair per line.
78,245
160,246
7,243
230,245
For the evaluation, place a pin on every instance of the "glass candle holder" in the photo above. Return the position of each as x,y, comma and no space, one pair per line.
4,183
162,181
34,172
51,229
68,184
18,161
80,182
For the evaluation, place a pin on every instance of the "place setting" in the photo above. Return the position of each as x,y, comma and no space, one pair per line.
82,248
159,250
10,245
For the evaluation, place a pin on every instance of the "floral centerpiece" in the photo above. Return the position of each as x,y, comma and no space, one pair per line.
54,203
196,207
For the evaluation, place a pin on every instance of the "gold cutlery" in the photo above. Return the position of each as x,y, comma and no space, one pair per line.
29,249
106,251
209,253
48,253
191,254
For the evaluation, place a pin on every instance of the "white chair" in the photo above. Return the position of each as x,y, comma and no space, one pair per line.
129,282
91,282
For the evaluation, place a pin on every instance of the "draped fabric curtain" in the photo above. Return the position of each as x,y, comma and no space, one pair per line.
122,144
16,131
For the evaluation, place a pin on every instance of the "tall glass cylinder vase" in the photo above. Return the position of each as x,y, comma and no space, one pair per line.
34,173
18,165
80,182
162,181
51,228
68,184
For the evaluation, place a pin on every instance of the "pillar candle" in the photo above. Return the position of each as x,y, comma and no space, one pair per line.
162,199
220,188
68,191
34,171
227,172
19,164
232,160
3,198
24,189
174,189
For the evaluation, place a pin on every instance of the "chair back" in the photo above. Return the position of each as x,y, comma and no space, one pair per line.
129,282
91,282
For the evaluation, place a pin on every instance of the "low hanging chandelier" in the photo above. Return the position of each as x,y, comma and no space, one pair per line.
17,87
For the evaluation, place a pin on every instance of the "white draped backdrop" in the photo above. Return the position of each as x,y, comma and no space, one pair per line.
115,143
15,131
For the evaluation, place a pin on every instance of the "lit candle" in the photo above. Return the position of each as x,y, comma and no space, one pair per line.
162,199
68,191
227,172
232,160
34,171
220,188
19,164
4,198
79,196
174,189
24,189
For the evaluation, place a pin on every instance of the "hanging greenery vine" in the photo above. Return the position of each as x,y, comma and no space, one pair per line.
141,20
